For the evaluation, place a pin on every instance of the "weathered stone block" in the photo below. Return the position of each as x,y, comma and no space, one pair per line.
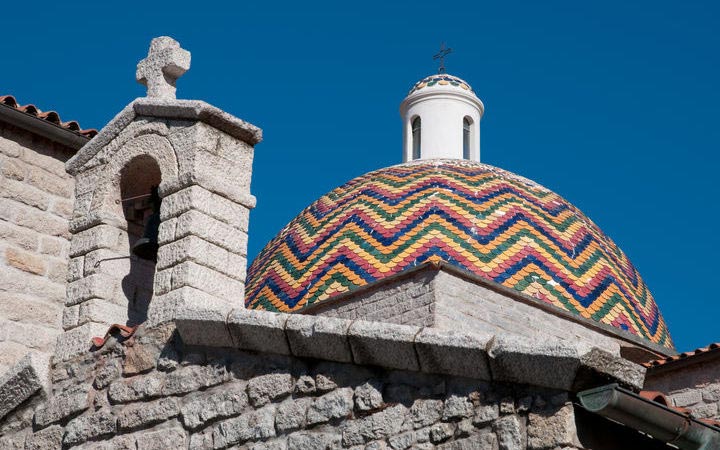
457,407
266,388
145,414
199,199
193,378
509,433
291,414
334,405
22,237
53,246
164,439
141,387
166,231
384,344
204,253
368,396
305,385
76,268
381,425
207,280
454,353
549,363
313,441
107,373
711,392
687,398
552,428
11,168
16,307
201,440
25,261
485,414
201,319
426,412
22,381
319,337
101,236
251,426
195,223
83,428
34,219
63,405
13,280
93,286
78,340
102,261
101,311
482,441
441,432
49,438
597,366
260,331
48,182
229,402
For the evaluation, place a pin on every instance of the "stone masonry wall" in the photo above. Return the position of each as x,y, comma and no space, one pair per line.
147,395
446,301
463,305
696,387
405,302
35,205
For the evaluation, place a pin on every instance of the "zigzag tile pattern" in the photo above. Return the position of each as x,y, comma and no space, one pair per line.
482,219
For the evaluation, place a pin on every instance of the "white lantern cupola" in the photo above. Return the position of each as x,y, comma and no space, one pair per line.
441,119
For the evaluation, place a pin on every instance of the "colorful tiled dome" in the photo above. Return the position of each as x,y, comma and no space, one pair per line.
440,79
482,219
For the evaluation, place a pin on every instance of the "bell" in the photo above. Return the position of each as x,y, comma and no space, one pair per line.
147,246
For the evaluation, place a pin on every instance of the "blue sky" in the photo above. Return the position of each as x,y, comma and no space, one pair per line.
613,104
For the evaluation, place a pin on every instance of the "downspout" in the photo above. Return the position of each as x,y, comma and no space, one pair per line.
659,421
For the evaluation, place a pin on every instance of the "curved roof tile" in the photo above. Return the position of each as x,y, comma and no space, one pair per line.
48,116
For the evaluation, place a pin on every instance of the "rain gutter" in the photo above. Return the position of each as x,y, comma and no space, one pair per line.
652,418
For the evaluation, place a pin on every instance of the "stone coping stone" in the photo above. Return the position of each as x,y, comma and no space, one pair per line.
23,380
556,364
319,337
164,109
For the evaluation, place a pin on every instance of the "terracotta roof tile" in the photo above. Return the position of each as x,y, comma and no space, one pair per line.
123,330
714,347
659,397
48,116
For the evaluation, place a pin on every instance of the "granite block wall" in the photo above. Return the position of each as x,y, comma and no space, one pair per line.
146,394
403,301
35,206
695,387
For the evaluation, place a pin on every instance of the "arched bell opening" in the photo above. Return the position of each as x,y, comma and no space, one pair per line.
139,181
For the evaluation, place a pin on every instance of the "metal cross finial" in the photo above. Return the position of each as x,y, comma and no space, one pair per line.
165,63
444,51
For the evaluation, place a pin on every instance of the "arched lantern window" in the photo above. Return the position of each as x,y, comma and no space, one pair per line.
467,130
416,133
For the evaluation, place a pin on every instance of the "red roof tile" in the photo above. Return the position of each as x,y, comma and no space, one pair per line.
659,397
49,116
116,328
714,347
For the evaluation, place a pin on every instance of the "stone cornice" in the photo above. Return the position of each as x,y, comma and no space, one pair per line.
203,321
165,109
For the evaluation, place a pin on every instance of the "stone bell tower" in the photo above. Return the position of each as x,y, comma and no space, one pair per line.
200,160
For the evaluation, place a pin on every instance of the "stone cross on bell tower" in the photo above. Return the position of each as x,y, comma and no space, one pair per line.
165,63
